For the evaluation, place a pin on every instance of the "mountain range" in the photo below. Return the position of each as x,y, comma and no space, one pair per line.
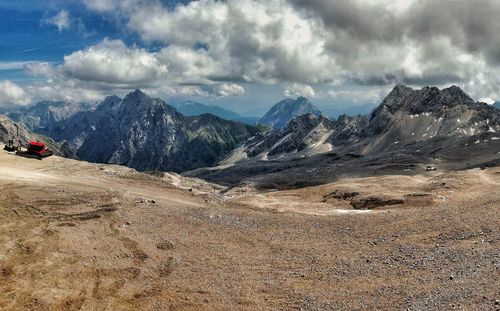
408,131
46,113
410,127
137,131
497,105
191,108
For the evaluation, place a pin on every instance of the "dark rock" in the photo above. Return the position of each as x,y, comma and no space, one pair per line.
341,195
372,202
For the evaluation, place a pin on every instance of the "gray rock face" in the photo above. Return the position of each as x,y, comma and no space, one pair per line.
408,115
147,134
407,131
305,135
8,131
44,115
404,116
283,112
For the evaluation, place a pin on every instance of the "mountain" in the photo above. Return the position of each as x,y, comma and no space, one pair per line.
409,130
8,131
497,105
284,111
190,108
147,134
305,135
45,114
407,115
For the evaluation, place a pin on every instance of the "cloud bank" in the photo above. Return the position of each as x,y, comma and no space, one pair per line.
214,48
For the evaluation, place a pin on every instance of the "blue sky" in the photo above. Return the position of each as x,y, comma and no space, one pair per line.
245,55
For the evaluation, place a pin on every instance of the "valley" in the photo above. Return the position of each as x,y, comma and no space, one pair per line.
393,211
136,241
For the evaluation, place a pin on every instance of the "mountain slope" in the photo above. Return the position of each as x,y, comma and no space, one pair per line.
44,115
306,135
190,108
284,111
147,134
497,105
408,115
408,131
8,131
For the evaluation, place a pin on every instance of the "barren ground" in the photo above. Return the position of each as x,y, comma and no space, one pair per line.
77,236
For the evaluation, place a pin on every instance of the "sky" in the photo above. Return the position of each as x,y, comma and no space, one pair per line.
245,55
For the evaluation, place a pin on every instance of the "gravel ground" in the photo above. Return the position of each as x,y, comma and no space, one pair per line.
79,236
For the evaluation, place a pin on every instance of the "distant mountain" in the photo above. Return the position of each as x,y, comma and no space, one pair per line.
44,115
497,105
9,131
284,111
147,134
304,135
190,108
410,128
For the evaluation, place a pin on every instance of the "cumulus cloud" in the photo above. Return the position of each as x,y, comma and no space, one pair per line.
296,90
211,48
11,93
111,61
61,20
252,41
425,42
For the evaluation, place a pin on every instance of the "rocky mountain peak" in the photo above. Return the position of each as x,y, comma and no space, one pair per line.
284,111
401,89
307,120
454,94
138,93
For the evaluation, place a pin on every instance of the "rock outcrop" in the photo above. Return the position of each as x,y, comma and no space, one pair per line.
283,112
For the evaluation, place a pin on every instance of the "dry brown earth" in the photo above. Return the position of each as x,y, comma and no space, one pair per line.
79,236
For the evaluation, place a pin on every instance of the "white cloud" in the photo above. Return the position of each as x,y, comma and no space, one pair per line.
211,48
296,90
229,89
253,41
14,65
114,6
13,94
100,5
369,95
488,100
61,20
111,61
